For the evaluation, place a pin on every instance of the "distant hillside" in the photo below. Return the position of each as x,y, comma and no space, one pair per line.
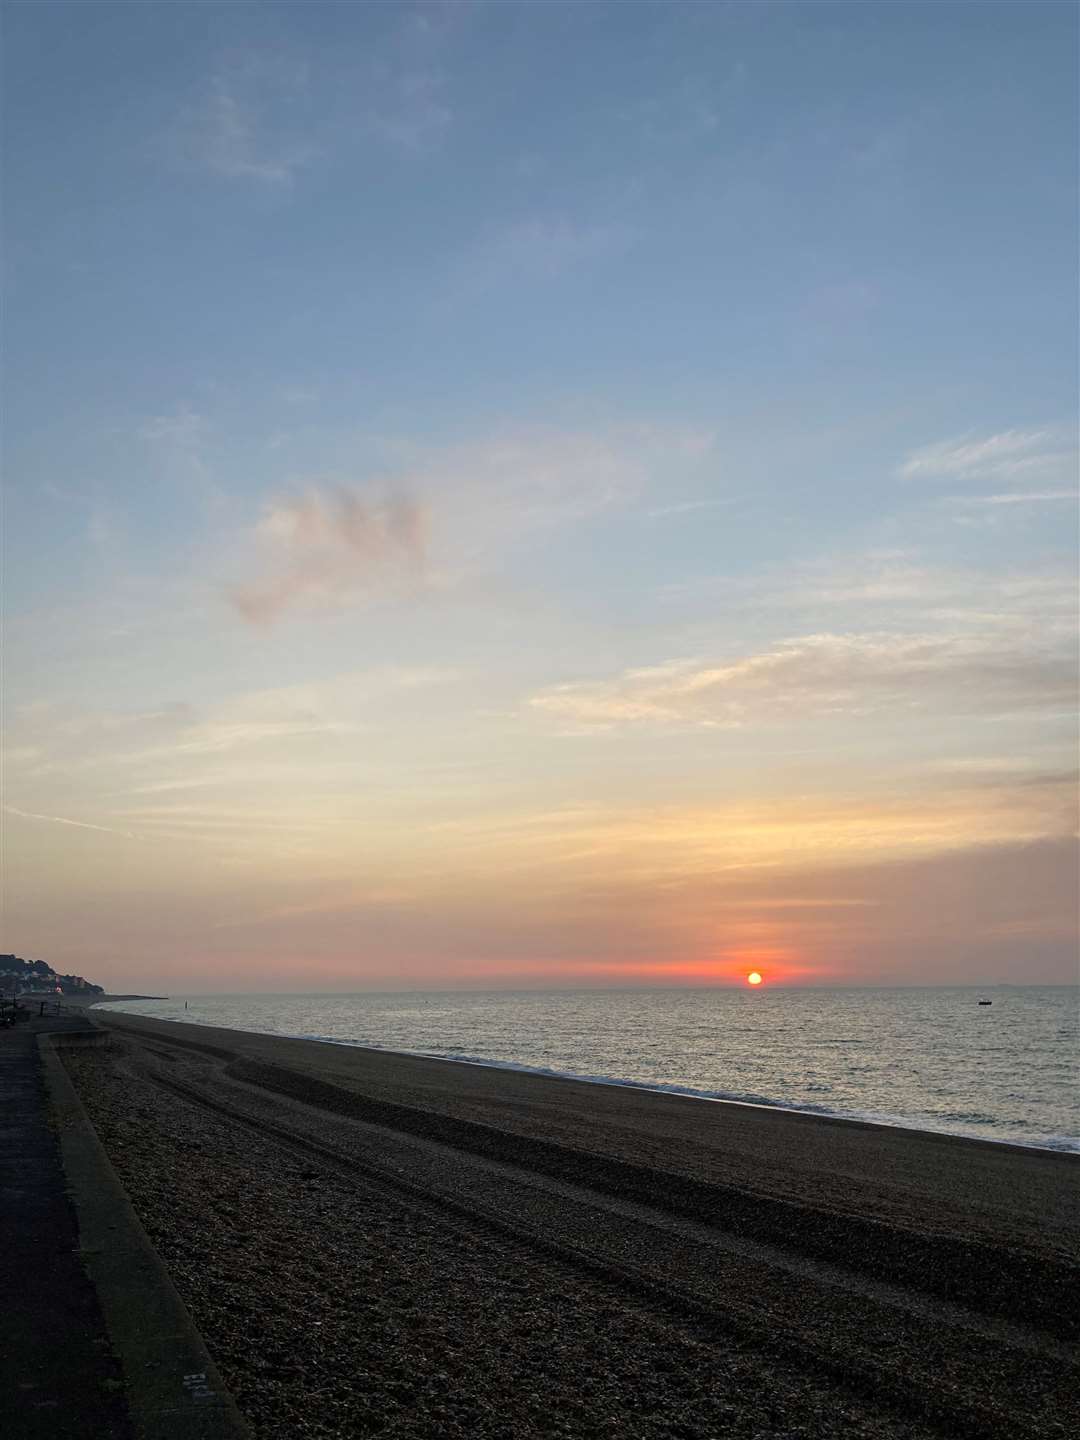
36,975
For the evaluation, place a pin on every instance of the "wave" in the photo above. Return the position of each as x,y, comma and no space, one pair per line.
957,1121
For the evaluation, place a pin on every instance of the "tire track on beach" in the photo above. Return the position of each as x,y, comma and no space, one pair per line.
1012,1285
873,1340
337,1310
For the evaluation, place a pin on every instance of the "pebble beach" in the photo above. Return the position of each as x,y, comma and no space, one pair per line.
374,1243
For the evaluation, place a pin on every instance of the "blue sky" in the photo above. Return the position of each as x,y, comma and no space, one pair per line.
576,455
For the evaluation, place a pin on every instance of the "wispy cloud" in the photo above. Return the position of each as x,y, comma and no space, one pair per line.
493,490
902,591
64,820
743,844
183,428
178,440
692,110
525,480
688,507
403,82
259,768
465,507
544,247
1013,453
1031,497
329,547
409,109
826,675
243,126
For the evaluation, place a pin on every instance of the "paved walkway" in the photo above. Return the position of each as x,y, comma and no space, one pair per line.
59,1378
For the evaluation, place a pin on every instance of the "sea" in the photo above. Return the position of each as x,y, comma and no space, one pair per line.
932,1059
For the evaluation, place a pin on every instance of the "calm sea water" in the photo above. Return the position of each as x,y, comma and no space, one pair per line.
930,1058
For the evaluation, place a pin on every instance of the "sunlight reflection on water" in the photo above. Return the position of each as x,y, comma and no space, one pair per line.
930,1058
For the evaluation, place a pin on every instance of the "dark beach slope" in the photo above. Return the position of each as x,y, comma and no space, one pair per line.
378,1243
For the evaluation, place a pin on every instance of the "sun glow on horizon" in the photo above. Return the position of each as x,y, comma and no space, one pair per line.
754,978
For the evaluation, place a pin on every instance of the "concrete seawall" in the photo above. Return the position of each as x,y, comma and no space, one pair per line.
173,1388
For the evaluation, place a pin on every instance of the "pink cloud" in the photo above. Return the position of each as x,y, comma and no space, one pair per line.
330,548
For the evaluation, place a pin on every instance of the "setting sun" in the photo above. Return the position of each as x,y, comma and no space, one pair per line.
753,978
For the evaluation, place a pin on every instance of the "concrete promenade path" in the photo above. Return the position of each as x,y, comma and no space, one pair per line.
59,1376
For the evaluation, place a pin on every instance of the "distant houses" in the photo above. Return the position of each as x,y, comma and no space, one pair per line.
22,977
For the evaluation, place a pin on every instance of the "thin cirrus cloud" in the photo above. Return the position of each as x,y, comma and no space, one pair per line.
826,675
329,548
1009,453
241,129
1032,497
179,747
687,507
260,120
902,591
65,820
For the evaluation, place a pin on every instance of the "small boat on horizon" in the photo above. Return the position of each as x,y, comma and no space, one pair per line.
986,1002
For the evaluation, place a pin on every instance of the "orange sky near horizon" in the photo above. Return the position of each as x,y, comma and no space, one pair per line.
189,876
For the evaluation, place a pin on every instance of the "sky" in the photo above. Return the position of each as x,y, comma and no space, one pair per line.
540,495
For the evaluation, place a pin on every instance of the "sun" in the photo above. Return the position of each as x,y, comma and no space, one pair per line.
753,978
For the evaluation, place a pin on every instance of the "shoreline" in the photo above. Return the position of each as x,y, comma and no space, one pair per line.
1069,1145
807,1158
618,1260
